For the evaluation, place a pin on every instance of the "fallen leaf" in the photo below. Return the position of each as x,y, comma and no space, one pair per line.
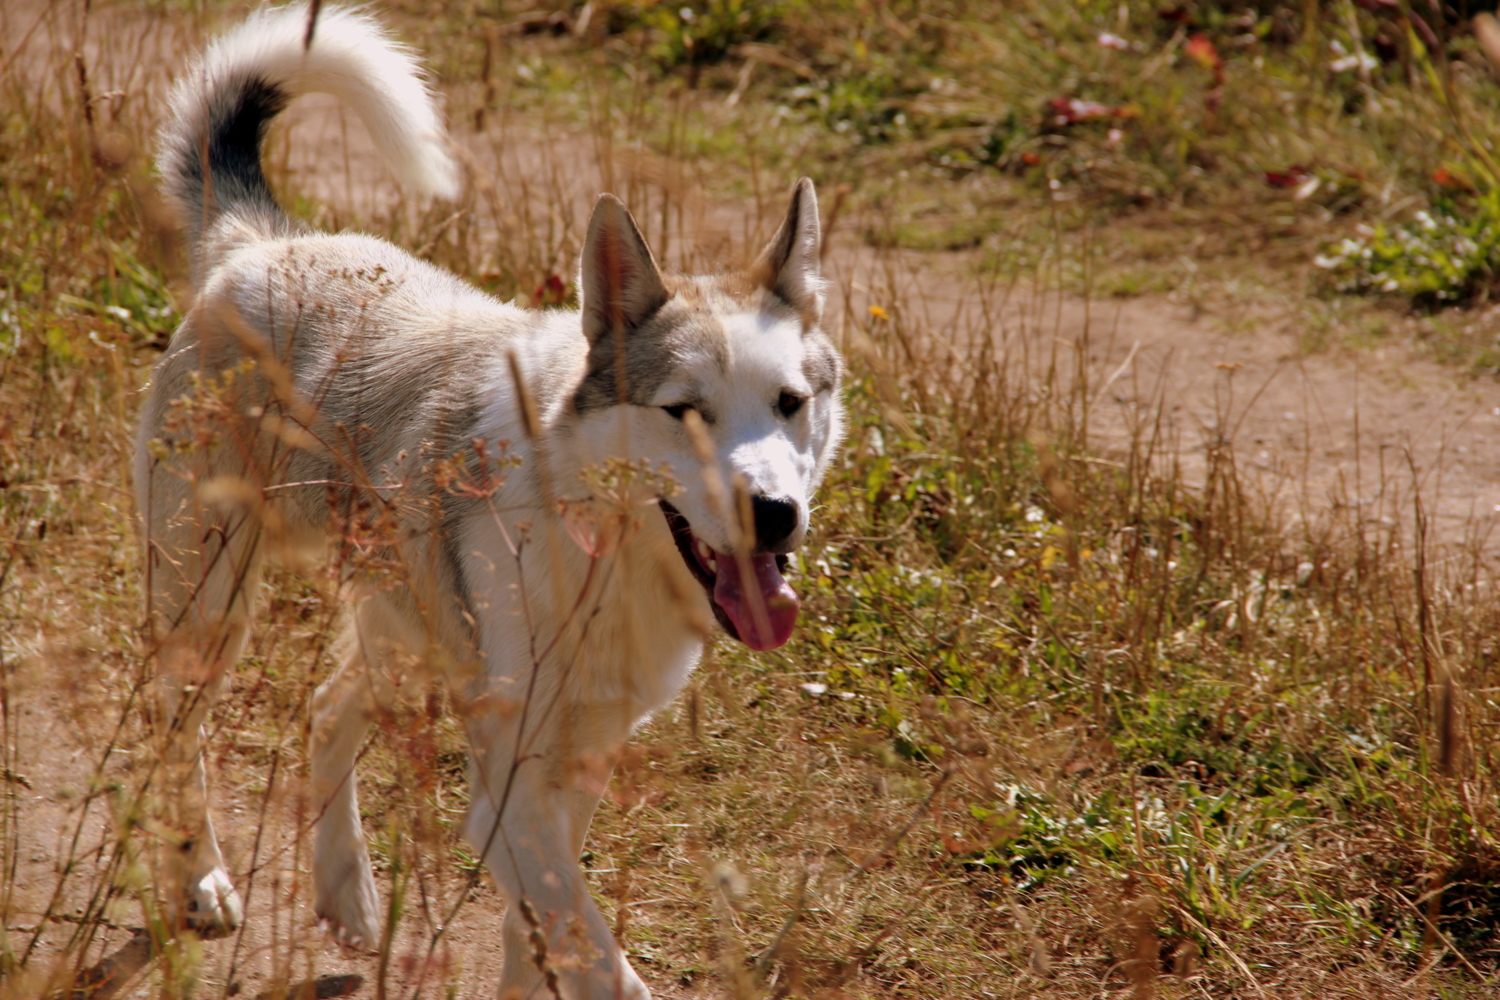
552,292
1288,178
1202,52
1453,180
1071,110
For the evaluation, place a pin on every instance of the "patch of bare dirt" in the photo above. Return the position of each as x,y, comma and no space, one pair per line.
1376,429
1378,433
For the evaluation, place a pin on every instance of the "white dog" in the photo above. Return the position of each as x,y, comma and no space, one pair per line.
495,485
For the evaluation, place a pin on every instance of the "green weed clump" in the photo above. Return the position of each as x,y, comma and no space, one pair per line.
702,34
1447,256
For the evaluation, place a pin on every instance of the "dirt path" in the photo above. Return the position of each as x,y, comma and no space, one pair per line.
1366,427
1373,430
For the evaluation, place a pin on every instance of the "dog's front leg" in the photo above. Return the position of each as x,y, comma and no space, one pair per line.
530,821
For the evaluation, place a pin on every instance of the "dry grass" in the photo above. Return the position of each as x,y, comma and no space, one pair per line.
1056,723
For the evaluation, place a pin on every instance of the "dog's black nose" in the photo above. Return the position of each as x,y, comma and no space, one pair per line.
775,523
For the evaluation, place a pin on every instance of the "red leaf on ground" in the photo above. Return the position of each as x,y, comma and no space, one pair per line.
1445,178
1288,178
1202,52
1071,110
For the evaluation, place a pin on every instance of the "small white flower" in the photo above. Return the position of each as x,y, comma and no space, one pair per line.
1363,61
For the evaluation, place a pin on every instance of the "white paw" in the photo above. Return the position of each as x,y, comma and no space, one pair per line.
212,908
630,986
349,907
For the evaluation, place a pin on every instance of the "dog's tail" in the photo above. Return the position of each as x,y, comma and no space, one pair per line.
223,105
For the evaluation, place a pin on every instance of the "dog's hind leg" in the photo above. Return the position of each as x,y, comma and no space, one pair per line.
344,895
204,568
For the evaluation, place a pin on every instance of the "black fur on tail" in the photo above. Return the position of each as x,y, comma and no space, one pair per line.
230,127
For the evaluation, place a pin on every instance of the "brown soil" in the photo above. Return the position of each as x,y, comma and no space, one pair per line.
1380,431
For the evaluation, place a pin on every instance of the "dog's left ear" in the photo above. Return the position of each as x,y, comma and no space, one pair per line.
789,266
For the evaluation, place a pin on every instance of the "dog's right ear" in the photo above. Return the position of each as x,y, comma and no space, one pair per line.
618,279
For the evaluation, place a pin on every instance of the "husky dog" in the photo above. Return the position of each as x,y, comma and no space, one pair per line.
546,509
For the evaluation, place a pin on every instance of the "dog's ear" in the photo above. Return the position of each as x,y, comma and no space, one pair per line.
618,279
789,265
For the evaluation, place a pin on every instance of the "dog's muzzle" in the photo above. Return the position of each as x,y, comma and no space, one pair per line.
750,598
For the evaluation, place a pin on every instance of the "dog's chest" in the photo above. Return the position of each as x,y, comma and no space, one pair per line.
607,629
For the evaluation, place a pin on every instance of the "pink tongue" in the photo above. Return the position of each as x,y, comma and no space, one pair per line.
777,598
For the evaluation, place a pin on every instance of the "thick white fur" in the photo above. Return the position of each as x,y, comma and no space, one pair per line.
557,654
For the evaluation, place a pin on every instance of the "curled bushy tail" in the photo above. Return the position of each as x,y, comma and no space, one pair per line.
224,103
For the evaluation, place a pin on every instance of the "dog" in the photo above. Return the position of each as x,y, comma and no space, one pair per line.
547,510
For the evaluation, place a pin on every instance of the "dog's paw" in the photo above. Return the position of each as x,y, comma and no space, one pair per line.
350,911
212,908
629,986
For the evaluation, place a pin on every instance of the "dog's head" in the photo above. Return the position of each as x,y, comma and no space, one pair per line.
728,378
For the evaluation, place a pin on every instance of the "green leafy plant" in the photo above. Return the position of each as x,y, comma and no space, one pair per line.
1444,256
703,33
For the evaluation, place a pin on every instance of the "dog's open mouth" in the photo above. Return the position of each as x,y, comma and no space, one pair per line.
760,611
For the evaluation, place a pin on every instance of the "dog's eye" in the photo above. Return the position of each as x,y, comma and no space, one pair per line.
789,403
677,410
